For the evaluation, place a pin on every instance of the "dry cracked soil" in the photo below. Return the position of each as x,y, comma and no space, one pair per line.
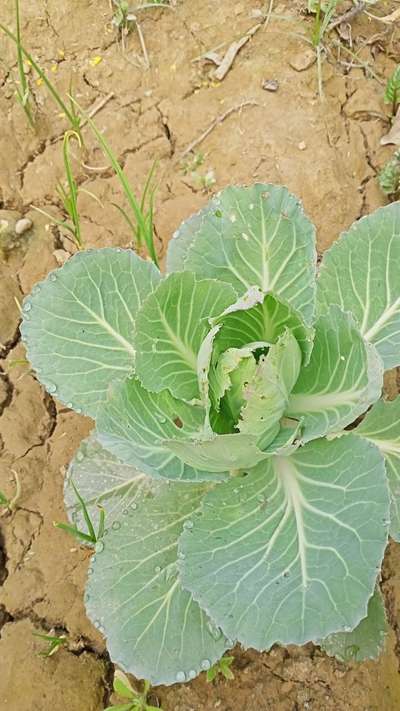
327,152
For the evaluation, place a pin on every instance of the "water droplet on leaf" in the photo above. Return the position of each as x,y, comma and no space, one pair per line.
180,677
116,525
205,664
99,547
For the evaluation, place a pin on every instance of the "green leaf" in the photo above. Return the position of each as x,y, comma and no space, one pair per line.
392,91
359,273
153,627
256,317
382,427
267,392
342,379
135,423
170,329
218,454
290,552
78,324
366,641
122,685
251,236
102,480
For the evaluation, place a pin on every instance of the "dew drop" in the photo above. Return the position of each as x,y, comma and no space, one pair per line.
106,532
116,525
180,677
133,506
192,674
79,457
205,664
78,410
90,571
53,277
181,555
27,306
157,569
97,624
188,525
125,512
69,405
36,289
51,387
99,547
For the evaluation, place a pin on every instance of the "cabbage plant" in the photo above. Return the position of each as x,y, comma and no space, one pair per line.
247,499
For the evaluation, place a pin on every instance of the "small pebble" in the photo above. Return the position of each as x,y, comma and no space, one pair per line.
270,85
302,61
61,256
23,225
3,226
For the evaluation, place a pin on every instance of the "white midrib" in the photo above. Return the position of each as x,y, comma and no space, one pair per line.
187,354
321,401
382,321
387,446
287,473
107,327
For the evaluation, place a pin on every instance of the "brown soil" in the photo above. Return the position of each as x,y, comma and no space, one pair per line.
328,153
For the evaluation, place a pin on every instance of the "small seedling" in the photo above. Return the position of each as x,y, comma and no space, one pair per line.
23,89
142,209
91,536
201,181
392,91
137,701
8,504
389,177
68,194
323,15
125,19
223,666
71,115
54,643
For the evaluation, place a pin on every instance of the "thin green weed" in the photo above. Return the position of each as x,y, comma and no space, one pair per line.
91,536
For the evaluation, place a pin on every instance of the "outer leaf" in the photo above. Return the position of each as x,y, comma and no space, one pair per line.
219,454
102,479
256,317
289,552
268,391
134,424
252,236
382,427
343,378
78,324
366,641
153,627
170,329
360,273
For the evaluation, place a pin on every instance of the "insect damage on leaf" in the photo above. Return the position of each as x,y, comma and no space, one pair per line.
238,505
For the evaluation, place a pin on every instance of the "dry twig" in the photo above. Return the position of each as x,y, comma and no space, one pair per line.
216,122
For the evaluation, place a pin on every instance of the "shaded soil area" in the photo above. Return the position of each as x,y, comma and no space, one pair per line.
327,152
